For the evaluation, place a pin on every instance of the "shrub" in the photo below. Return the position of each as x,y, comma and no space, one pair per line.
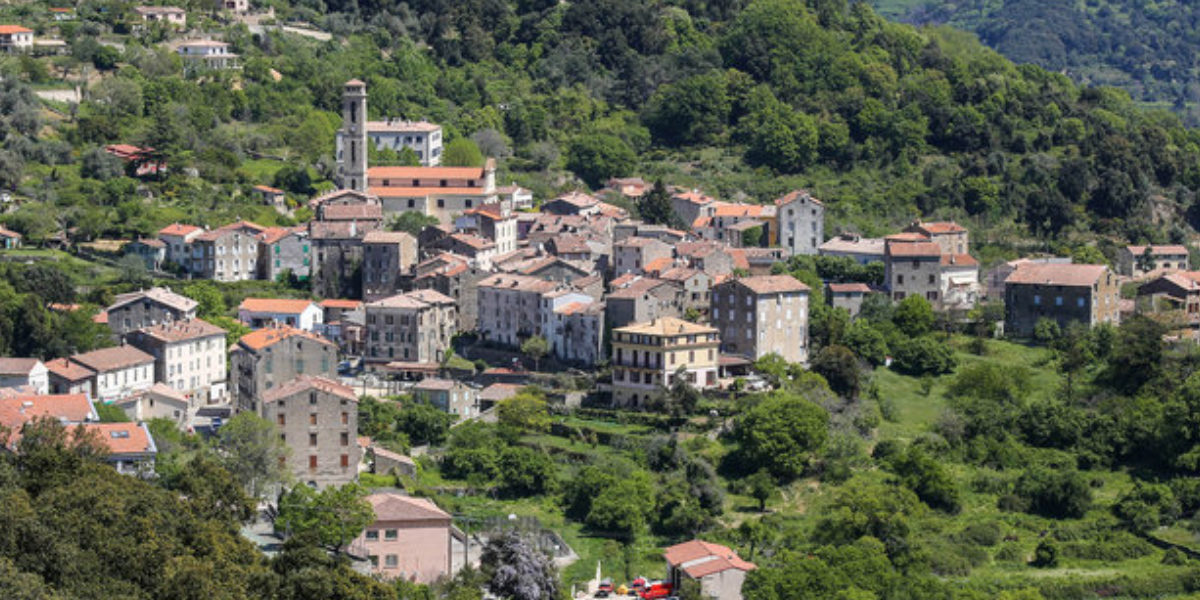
982,533
923,355
1055,494
1010,552
1045,556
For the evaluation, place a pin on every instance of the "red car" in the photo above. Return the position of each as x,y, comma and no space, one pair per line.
655,590
605,590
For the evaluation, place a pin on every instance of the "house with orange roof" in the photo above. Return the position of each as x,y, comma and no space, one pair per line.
189,356
271,356
718,569
9,239
17,410
848,296
575,329
171,15
161,401
1063,293
454,276
442,192
131,448
693,207
144,308
494,221
142,161
633,254
273,197
228,253
1177,291
952,237
24,372
68,377
14,38
915,265
178,238
266,312
572,203
317,418
643,299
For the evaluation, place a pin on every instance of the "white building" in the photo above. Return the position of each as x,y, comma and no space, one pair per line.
178,238
423,137
207,54
801,222
265,312
171,15
189,356
161,401
120,372
29,373
14,38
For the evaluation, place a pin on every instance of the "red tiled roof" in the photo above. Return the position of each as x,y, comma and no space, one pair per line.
124,438
721,557
728,209
499,391
392,507
793,195
1056,274
178,229
177,331
275,305
380,236
109,359
352,212
17,366
304,383
8,233
421,192
959,260
849,288
1158,250
658,264
772,284
272,235
914,249
426,173
940,227
11,29
340,303
268,189
907,236
472,240
70,371
269,336
435,384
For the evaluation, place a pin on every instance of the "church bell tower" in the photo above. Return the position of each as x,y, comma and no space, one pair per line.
352,168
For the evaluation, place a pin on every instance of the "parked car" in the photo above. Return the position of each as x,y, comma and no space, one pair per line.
656,590
606,589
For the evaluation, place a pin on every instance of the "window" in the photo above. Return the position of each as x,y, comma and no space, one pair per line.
345,461
1083,302
899,280
441,203
391,561
932,278
1058,300
312,462
1037,300
372,535
345,438
345,418
390,535
312,439
312,419
282,420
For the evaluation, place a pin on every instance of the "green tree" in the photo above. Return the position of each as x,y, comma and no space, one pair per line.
655,206
597,157
922,355
839,367
253,452
526,472
914,316
423,423
535,347
412,222
693,110
1145,261
866,341
462,152
526,411
110,413
1045,556
760,486
930,480
781,434
332,517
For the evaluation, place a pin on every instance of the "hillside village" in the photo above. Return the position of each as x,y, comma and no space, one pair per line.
654,388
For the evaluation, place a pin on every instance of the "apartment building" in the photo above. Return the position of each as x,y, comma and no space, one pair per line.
388,256
272,356
453,276
318,420
189,356
757,316
413,327
1087,294
633,254
493,221
284,251
178,238
510,307
575,331
643,299
442,192
646,357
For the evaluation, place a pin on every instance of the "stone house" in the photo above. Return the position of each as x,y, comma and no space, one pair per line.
67,377
412,327
719,570
273,197
632,254
1088,294
952,237
453,276
153,252
713,258
693,208
338,254
994,278
646,357
178,238
696,285
644,299
284,250
1167,258
146,308
479,249
849,296
492,221
272,356
189,356
914,268
862,250
388,257
572,203
1179,291
801,219
575,331
28,373
411,539
120,371
757,316
318,420
449,396
229,253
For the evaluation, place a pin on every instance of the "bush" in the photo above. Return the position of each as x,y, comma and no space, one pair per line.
1055,494
1010,552
947,561
1045,556
923,355
982,533
1174,557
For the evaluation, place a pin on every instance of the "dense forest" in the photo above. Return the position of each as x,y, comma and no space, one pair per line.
884,121
1146,48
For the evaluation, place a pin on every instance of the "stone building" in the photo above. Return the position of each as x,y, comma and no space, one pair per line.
952,237
453,276
178,238
719,571
318,420
413,327
283,251
272,356
388,256
761,315
228,253
145,308
510,307
801,222
647,356
1138,260
575,331
449,396
632,254
1087,294
643,299
848,296
338,250
189,356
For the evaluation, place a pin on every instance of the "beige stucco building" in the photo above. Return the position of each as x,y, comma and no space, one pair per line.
189,356
646,356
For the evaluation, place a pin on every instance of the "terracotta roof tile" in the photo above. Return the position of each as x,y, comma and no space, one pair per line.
178,331
1053,274
772,284
667,326
269,336
303,383
178,229
792,196
124,438
959,260
393,507
914,249
64,368
17,366
275,305
426,173
849,288
1173,250
110,359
